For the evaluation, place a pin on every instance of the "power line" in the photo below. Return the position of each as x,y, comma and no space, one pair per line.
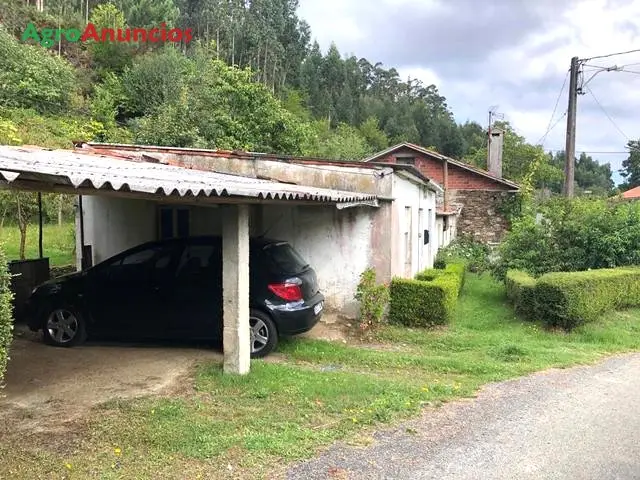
552,127
612,54
555,107
607,114
555,150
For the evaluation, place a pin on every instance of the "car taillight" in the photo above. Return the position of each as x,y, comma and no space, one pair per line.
289,291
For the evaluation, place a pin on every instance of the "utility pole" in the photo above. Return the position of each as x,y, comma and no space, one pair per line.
489,137
570,149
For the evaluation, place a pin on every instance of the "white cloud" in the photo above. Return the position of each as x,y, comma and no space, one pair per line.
522,72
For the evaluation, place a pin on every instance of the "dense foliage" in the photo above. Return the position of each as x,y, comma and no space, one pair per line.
465,249
6,314
428,300
570,235
251,78
631,166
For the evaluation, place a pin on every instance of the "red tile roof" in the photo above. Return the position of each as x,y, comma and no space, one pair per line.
633,193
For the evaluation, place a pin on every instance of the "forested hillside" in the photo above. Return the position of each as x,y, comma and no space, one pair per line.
252,78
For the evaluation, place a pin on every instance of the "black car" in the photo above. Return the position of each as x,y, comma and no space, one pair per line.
172,289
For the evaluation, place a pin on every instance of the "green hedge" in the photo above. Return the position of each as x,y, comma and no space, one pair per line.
570,299
428,300
6,314
520,287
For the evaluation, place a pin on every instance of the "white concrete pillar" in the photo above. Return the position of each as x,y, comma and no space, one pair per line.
235,285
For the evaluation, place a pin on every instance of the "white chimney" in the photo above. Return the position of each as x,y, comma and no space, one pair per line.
496,142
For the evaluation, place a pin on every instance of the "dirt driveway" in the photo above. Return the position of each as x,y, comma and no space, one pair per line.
62,384
48,388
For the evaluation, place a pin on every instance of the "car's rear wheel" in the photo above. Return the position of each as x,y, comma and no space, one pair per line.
64,326
263,334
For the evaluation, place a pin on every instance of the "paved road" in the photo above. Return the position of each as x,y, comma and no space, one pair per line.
580,423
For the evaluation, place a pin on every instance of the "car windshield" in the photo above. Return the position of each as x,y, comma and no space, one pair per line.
286,258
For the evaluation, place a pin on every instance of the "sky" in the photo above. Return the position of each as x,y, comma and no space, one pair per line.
509,54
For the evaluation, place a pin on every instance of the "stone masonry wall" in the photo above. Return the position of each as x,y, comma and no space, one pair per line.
481,216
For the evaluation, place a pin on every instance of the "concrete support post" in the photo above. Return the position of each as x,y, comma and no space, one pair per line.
235,285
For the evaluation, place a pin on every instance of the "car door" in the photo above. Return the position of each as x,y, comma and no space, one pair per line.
196,298
129,294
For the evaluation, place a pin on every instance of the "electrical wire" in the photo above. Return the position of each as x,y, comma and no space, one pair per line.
607,114
590,152
612,54
555,107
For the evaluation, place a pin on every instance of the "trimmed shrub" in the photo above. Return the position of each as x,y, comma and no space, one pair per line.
569,299
428,300
520,287
6,314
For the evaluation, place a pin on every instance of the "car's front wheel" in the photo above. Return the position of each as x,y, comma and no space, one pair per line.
64,326
263,334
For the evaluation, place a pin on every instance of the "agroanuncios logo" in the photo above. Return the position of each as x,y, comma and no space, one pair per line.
47,37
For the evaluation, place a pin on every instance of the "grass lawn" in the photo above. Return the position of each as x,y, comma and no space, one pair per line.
57,243
285,410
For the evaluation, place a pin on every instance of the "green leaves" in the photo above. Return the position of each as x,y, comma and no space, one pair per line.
571,235
6,314
31,78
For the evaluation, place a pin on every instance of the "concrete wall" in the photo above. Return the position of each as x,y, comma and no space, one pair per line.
414,212
112,225
336,243
445,237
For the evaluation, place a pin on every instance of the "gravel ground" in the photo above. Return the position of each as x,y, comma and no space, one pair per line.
579,423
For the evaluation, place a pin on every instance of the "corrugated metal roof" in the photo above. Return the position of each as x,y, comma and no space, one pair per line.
103,172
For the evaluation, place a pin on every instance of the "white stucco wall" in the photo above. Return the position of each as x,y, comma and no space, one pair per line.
112,225
445,237
423,204
336,243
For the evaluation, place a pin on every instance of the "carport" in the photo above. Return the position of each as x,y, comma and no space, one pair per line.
82,173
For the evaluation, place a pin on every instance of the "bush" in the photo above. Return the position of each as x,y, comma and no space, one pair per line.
6,314
572,235
373,299
464,249
428,300
520,287
569,299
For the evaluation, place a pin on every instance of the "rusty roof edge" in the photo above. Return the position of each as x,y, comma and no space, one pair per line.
240,154
99,176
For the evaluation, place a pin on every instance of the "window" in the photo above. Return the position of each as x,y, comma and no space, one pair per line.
408,228
140,265
173,222
139,257
285,258
200,264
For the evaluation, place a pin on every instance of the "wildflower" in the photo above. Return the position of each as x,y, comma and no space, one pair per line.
117,451
68,465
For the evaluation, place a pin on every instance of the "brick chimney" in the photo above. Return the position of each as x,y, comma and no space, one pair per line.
496,143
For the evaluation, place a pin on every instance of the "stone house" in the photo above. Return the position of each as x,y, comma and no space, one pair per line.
473,199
